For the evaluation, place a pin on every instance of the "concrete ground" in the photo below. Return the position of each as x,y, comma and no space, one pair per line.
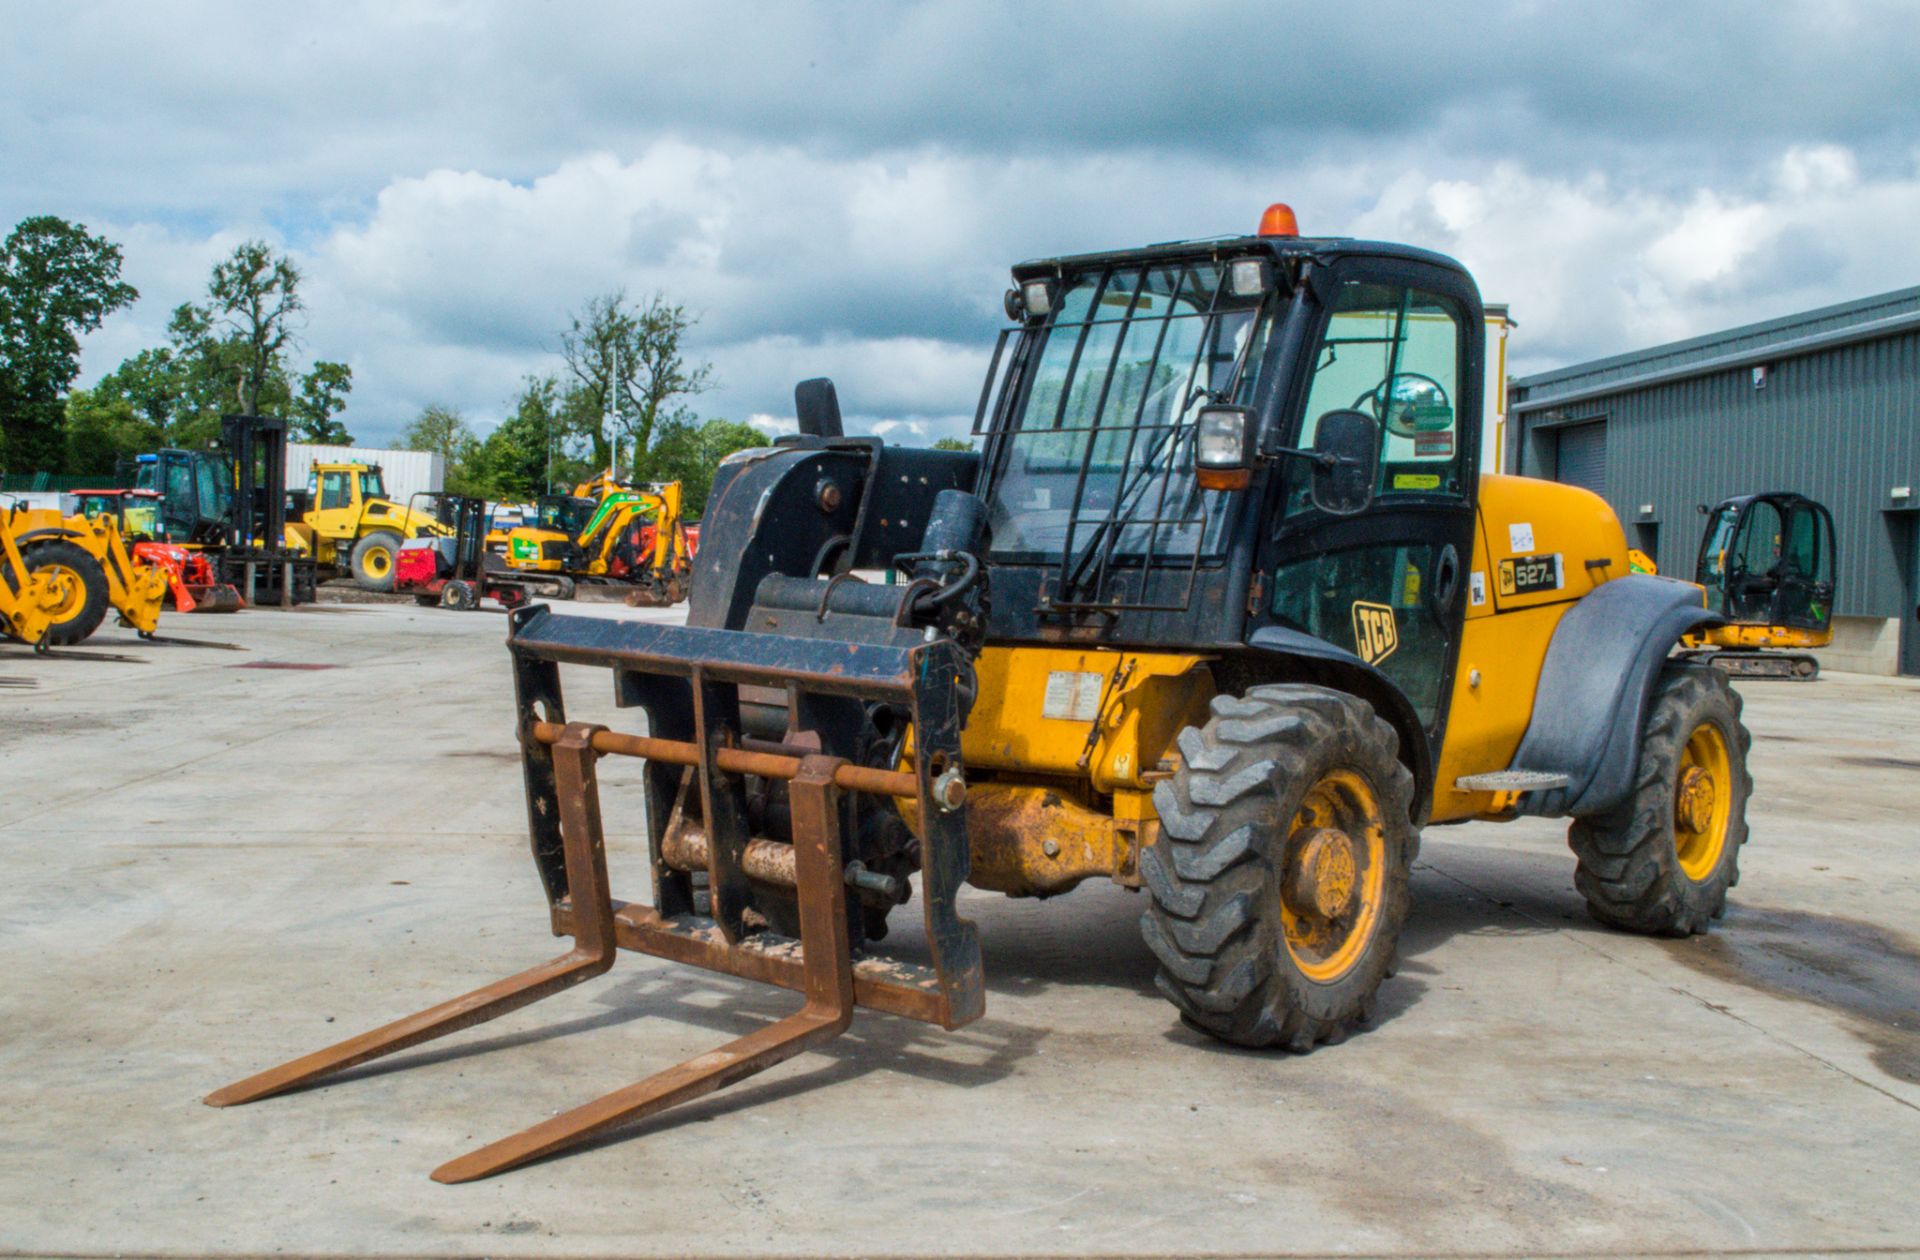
210,863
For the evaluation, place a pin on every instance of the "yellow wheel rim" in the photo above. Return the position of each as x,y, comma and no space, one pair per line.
70,593
1700,802
1333,876
378,561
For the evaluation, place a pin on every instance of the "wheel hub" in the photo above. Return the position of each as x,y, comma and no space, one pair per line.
1323,876
1693,799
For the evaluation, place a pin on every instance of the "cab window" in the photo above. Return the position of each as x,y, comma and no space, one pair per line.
335,490
1393,353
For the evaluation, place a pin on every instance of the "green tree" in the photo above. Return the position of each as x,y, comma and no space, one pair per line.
628,373
57,281
446,431
255,297
953,444
230,353
102,429
518,459
690,453
323,395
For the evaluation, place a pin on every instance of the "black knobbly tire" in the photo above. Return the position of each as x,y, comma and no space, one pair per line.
87,604
1641,867
374,560
1261,783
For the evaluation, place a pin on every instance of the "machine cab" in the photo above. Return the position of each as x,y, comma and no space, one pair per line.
1767,559
338,495
195,489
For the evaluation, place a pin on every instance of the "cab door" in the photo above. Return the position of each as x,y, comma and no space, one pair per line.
1401,342
335,493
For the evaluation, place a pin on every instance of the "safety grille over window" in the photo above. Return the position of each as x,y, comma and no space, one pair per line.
1091,453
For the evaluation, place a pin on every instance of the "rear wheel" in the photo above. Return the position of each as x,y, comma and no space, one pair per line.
373,558
459,595
1280,880
1662,860
83,587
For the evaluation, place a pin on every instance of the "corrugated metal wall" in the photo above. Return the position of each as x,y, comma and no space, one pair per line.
1841,425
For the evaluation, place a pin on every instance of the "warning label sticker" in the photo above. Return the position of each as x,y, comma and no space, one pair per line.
1073,695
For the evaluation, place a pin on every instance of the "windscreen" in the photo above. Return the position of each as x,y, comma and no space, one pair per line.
1096,463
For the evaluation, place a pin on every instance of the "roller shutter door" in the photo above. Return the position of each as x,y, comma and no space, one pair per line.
1582,457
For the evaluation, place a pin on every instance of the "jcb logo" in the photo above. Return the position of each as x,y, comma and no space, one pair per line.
1375,634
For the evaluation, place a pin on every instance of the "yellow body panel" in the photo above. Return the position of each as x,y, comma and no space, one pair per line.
1756,636
1505,637
1038,705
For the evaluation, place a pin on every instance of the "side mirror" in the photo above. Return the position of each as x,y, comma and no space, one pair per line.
1223,447
1346,462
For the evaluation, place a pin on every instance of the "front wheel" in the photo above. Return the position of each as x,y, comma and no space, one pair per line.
83,590
373,558
1662,860
1279,883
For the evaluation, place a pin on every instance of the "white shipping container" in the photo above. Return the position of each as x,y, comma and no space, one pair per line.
405,472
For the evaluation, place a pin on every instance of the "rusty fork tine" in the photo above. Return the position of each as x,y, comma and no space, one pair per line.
592,954
828,964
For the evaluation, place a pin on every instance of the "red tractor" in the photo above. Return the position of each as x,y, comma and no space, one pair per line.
191,582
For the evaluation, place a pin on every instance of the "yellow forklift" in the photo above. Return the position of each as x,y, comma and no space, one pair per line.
1222,610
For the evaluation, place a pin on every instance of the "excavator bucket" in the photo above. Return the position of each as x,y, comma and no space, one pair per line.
715,854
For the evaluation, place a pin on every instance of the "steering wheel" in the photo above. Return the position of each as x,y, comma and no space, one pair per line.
1411,393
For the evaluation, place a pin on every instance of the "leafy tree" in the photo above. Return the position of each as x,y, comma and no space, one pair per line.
230,353
57,281
690,453
323,395
628,372
446,431
526,451
102,428
953,444
255,298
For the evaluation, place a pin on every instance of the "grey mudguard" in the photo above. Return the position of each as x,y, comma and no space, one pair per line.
1317,661
1594,686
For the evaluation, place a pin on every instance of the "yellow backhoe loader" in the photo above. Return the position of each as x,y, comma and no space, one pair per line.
608,533
1222,610
96,572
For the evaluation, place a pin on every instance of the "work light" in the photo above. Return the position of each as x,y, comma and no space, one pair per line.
1039,295
1222,447
1248,277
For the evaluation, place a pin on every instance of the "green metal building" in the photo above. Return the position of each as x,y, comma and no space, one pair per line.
1826,403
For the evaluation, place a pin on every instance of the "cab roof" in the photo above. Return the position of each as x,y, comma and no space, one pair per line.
1320,249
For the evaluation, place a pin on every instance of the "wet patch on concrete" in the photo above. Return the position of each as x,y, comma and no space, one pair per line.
1864,973
1883,763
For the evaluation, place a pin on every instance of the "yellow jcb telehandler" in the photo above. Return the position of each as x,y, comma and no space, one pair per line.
1222,610
96,568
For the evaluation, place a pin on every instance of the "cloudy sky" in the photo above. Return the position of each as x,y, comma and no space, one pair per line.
839,189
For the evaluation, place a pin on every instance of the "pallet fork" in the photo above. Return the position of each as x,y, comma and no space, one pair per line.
689,681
